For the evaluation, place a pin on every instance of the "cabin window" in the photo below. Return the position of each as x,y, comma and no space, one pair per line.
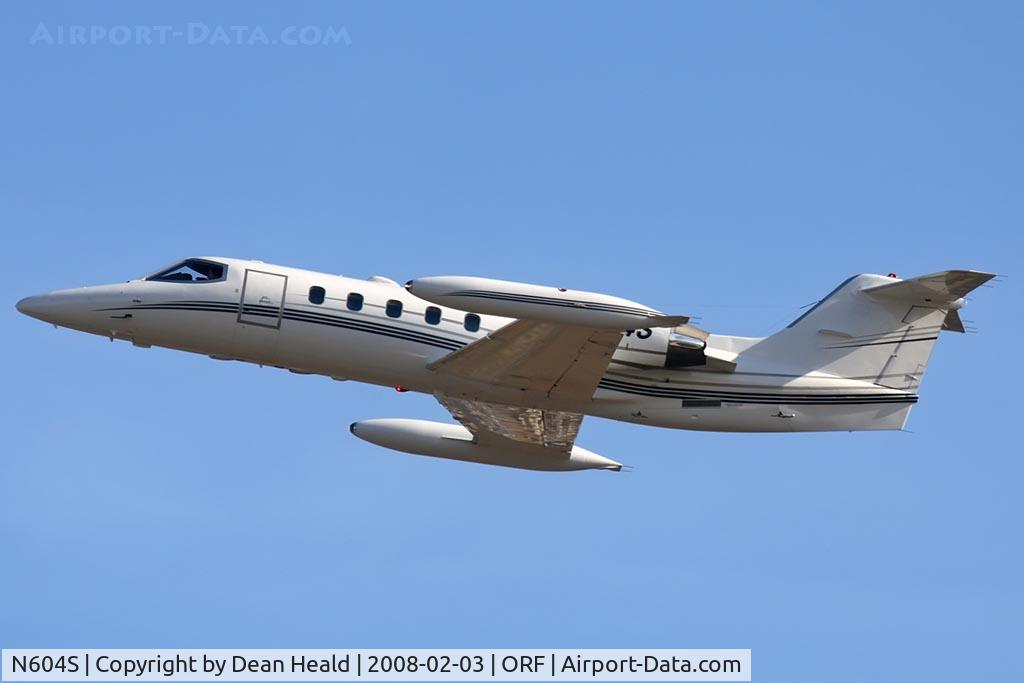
472,322
316,295
432,315
191,270
354,302
393,308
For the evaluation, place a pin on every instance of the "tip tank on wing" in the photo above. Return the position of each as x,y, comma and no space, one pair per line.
538,302
454,442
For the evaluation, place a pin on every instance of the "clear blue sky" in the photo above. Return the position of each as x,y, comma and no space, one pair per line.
732,161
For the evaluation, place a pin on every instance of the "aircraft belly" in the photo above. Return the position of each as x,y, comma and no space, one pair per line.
178,329
749,417
353,354
257,343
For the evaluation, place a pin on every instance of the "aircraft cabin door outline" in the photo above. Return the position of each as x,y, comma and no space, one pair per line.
262,299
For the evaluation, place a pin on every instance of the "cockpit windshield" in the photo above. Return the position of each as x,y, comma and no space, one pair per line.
191,270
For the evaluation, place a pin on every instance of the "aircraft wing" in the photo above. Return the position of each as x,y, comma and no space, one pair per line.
560,361
547,429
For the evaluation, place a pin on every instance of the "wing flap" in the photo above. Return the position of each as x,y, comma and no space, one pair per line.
551,429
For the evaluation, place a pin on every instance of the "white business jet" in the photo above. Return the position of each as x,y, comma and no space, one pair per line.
519,365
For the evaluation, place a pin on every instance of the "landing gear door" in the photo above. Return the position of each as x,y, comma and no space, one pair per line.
262,299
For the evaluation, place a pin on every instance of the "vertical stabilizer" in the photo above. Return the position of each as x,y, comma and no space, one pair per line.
874,328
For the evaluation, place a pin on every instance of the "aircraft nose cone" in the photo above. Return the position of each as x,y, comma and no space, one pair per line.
33,306
69,308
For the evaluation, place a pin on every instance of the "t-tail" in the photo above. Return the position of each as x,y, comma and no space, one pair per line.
872,329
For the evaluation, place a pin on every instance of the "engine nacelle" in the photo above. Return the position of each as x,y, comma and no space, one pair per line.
683,347
455,442
537,302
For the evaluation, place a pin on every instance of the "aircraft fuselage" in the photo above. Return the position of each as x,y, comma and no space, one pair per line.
376,331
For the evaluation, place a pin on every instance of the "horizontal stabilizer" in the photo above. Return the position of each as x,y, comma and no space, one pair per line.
936,289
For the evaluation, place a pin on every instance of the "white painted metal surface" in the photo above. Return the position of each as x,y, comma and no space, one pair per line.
520,365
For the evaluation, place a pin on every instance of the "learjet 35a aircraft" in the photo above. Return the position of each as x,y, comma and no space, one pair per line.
519,365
